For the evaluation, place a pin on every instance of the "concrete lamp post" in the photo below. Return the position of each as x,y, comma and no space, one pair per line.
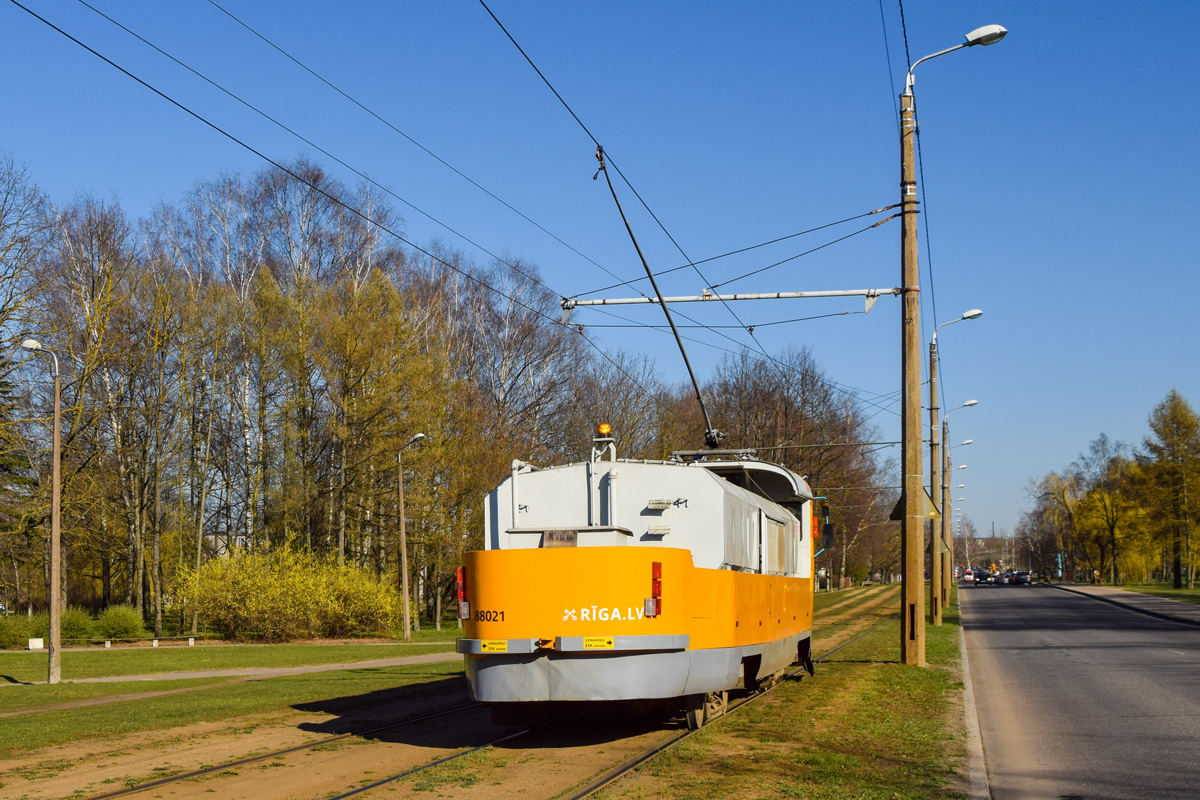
912,539
55,592
940,555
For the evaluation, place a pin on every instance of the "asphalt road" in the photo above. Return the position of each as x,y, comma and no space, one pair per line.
1078,698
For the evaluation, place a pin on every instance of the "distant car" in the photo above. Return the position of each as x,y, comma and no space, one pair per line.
1022,578
969,576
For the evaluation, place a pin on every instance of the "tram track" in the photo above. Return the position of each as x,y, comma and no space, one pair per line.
644,756
274,754
618,772
605,779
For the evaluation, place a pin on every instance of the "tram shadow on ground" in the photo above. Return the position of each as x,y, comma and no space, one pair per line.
372,716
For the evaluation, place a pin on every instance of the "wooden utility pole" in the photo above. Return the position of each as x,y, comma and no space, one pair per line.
912,524
946,523
935,480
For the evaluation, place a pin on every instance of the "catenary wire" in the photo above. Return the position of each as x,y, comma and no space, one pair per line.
315,146
887,55
632,281
356,212
614,165
413,141
856,394
805,253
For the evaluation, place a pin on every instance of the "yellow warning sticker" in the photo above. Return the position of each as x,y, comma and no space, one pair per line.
493,645
598,643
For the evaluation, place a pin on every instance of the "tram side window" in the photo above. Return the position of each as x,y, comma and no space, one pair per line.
777,548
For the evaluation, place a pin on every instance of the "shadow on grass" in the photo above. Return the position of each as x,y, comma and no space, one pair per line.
11,679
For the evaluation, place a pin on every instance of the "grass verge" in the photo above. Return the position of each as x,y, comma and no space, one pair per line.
864,727
327,691
21,667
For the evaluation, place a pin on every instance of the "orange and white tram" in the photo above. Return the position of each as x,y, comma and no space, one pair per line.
646,581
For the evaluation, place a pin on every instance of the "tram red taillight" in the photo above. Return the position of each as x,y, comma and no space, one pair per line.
464,606
654,601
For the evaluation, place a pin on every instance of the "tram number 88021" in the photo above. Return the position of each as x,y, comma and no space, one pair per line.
489,616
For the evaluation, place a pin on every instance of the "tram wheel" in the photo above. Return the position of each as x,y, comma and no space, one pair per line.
702,709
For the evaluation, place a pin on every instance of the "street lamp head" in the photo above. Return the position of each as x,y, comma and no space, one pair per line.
987,35
31,344
417,438
966,442
970,403
961,486
974,313
962,466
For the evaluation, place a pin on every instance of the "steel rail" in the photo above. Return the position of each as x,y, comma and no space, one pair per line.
424,767
142,787
626,767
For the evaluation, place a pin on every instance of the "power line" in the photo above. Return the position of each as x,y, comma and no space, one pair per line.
612,163
779,365
739,251
316,146
338,201
413,141
805,253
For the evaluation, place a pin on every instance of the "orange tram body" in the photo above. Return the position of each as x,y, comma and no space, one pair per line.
648,582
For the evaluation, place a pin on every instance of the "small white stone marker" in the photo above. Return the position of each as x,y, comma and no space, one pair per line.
191,641
107,643
154,642
37,644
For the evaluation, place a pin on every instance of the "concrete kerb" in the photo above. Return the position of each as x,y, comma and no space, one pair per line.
1132,603
978,787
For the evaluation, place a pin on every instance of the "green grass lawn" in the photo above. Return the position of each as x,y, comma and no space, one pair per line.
1162,590
18,666
233,700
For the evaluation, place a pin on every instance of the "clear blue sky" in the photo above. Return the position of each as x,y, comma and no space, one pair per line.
1060,170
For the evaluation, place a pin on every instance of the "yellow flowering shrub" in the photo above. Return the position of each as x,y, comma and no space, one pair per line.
286,594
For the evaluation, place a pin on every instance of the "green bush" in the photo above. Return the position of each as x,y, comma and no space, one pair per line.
39,625
77,624
15,631
284,595
120,622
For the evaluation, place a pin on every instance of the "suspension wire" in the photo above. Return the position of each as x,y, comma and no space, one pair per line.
887,54
778,364
632,281
805,253
628,183
712,437
925,214
330,197
413,141
318,148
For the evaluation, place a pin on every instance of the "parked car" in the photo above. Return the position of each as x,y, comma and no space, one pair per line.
1023,578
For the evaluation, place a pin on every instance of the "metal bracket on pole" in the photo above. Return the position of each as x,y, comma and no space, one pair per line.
708,296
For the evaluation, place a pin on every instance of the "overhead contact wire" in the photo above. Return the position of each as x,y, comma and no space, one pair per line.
739,251
315,146
410,139
356,212
596,142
